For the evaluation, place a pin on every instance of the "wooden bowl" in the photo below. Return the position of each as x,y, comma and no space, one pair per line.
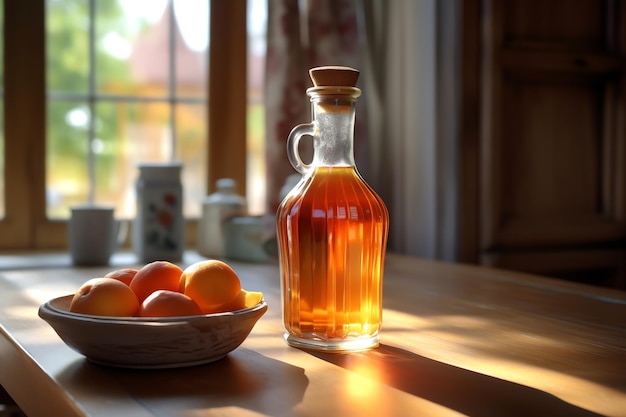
139,342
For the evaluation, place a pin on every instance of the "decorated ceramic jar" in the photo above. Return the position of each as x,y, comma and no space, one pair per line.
158,228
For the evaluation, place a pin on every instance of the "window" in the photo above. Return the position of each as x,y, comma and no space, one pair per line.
130,88
122,82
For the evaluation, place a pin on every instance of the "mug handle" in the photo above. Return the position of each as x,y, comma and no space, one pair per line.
307,129
122,233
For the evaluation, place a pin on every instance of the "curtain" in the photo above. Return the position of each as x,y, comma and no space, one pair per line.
397,147
302,35
405,161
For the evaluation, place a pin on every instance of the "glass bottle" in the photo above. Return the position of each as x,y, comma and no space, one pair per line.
332,229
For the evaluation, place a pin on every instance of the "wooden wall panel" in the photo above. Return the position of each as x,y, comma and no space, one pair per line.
563,25
551,180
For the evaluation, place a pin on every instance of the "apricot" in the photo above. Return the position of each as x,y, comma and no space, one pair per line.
165,303
125,275
245,299
105,297
157,275
210,284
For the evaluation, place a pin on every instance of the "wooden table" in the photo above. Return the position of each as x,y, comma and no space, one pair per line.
457,340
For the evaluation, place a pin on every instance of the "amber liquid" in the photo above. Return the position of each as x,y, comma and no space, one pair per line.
332,233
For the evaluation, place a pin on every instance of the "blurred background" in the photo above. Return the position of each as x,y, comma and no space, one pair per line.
494,130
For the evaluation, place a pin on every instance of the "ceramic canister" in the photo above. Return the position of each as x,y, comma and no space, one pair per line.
158,228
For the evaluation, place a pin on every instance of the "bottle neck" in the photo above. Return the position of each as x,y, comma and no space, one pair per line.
334,117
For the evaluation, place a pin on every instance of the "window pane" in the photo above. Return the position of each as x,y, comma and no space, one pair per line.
255,141
147,127
255,167
132,47
113,154
191,45
191,149
67,44
143,135
67,165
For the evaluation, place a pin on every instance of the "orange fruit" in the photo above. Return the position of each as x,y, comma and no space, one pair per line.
210,284
105,297
157,275
245,299
125,275
165,303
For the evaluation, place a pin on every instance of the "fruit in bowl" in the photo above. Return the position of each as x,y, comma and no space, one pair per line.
162,317
163,289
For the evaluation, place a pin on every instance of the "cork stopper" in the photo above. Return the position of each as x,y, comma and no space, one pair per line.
334,76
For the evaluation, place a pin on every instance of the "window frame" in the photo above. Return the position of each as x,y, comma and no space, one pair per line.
25,225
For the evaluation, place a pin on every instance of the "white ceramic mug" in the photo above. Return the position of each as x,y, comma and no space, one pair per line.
93,234
247,237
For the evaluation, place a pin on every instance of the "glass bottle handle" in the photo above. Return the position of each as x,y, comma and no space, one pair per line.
307,129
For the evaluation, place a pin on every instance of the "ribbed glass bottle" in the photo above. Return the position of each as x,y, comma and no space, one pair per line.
332,235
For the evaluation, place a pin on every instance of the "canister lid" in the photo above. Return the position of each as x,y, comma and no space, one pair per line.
160,171
226,184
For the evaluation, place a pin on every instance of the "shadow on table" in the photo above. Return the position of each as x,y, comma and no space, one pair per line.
244,379
465,391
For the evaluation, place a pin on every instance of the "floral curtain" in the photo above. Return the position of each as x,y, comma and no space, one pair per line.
302,35
393,44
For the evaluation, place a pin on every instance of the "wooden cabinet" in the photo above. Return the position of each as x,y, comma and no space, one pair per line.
543,169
